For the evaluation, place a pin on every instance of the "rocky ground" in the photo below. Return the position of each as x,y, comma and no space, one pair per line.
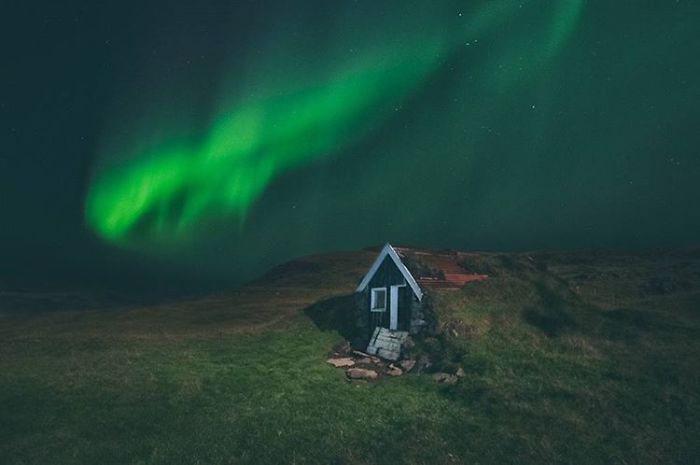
361,366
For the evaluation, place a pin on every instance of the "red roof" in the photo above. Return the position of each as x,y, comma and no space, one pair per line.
446,263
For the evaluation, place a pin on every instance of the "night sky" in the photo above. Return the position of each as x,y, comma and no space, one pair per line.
203,142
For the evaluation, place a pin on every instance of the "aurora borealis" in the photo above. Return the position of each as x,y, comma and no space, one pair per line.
245,149
175,185
222,138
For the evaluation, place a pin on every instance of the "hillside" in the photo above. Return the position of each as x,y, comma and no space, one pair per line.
570,357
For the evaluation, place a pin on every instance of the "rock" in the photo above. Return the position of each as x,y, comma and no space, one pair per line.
407,365
394,371
365,361
361,373
445,378
343,348
423,363
460,373
364,355
417,326
341,362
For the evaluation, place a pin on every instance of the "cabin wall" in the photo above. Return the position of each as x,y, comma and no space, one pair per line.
412,316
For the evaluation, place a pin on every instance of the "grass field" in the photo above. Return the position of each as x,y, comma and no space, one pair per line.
584,358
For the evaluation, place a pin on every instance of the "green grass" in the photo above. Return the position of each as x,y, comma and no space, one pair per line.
554,375
262,398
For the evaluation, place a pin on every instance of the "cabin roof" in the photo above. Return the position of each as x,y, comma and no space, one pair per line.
448,263
388,250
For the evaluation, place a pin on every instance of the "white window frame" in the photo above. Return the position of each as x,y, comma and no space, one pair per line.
373,299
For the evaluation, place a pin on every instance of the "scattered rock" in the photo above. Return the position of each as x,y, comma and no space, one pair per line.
394,371
452,379
423,363
364,355
343,348
361,373
341,362
407,365
460,373
445,378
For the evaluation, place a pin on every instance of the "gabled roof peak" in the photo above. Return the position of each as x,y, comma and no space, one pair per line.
388,250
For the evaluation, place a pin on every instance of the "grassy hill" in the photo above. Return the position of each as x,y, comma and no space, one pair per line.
571,357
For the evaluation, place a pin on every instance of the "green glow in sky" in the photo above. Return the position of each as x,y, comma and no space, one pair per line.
175,186
163,192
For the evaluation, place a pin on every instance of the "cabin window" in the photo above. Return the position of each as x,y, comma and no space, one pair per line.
378,303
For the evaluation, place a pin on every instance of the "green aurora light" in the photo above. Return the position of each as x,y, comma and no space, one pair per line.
162,193
243,151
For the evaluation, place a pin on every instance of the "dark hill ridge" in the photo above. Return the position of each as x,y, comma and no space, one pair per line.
569,357
608,280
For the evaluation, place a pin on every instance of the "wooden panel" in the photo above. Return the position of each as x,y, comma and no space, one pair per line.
405,296
386,276
386,344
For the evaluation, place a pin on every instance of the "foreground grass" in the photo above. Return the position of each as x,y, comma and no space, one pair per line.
263,398
552,377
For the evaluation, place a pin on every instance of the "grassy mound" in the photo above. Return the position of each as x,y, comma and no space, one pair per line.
569,358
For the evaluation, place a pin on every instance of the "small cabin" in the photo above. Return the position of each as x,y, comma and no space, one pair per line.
389,297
